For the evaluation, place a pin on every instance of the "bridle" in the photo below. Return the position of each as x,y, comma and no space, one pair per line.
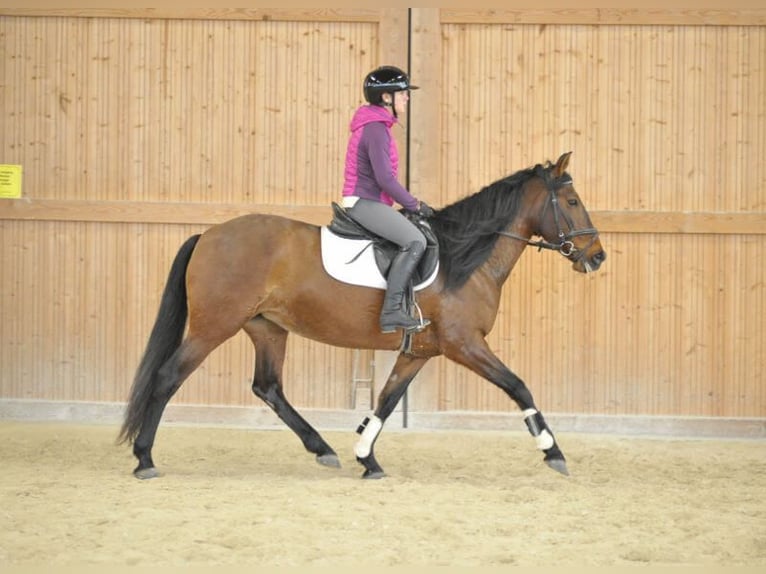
565,246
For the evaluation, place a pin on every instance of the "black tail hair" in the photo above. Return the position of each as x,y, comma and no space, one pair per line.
165,338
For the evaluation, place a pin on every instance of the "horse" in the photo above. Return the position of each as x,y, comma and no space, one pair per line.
263,274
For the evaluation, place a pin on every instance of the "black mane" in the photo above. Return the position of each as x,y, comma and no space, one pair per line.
467,229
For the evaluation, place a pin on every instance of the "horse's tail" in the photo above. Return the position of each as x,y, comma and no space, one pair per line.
165,338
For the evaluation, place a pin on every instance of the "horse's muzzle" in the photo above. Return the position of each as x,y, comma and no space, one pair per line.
590,263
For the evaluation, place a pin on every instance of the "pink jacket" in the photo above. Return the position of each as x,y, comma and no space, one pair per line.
372,159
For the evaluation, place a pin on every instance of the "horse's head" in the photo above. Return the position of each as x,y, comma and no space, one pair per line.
564,222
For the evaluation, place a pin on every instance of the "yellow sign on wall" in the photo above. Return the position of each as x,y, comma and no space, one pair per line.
10,181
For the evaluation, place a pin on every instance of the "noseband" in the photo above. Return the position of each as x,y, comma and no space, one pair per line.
565,245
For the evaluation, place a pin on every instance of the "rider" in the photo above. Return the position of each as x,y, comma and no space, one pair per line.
371,187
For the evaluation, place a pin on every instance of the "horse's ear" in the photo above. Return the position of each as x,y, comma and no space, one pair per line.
561,165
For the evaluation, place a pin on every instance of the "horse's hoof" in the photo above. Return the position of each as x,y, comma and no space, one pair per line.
559,465
330,460
373,474
146,473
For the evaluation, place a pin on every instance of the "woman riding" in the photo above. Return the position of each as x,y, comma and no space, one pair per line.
371,187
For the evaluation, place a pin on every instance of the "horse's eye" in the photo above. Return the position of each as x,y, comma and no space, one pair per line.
572,202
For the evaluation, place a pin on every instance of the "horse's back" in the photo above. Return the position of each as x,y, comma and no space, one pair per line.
237,259
256,234
252,225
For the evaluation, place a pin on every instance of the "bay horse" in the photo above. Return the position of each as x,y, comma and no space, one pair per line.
263,274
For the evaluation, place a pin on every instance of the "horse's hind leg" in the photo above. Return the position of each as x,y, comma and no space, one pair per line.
270,341
170,377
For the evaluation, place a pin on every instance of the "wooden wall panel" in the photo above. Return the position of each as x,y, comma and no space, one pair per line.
644,335
79,301
181,110
77,306
138,127
667,123
659,118
110,116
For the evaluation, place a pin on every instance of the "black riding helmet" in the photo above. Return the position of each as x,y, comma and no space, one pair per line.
385,80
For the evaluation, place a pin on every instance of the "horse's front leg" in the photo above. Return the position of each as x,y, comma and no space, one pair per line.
405,369
476,355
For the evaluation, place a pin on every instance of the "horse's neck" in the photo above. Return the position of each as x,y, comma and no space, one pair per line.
486,284
503,259
508,250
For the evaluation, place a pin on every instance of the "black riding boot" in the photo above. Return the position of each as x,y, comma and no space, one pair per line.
393,315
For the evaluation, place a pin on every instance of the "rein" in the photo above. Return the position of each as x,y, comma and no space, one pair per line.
565,246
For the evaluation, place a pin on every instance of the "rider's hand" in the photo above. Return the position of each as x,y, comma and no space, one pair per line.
424,210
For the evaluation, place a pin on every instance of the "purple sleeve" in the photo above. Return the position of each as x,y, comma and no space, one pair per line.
378,146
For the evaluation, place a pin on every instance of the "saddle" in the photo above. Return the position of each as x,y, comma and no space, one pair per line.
342,225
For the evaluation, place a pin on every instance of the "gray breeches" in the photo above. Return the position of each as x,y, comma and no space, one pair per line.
385,221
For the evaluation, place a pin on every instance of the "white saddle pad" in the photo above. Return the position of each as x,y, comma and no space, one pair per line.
353,261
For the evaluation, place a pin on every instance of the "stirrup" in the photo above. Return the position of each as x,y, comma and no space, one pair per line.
411,329
419,327
388,329
423,322
416,326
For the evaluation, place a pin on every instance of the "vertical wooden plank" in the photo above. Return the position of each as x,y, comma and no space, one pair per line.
426,105
393,49
425,139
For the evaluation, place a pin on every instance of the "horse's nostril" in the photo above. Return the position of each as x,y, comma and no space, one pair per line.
599,257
